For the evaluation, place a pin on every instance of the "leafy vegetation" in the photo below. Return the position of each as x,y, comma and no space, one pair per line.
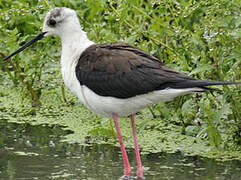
200,38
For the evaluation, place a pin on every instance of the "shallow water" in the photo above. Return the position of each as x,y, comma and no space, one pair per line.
36,152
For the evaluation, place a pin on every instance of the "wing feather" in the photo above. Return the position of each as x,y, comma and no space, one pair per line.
123,71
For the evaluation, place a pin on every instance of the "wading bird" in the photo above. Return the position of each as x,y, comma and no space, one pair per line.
114,79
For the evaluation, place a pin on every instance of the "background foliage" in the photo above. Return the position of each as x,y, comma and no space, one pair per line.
201,38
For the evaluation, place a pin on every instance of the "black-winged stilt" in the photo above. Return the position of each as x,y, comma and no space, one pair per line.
115,79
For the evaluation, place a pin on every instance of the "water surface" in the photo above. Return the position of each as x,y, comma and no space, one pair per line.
36,152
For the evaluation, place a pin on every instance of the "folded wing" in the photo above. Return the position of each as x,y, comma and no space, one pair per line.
123,71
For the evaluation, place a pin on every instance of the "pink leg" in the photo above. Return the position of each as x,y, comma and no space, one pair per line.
127,167
139,171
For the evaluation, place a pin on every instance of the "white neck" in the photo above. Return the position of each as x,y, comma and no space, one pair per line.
73,44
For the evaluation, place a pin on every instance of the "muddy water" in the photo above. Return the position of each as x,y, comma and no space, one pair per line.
36,152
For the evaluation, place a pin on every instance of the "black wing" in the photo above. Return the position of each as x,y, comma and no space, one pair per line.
123,71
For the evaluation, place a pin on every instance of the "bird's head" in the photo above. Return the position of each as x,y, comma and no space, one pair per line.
61,21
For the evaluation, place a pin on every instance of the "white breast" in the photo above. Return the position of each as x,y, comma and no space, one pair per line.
72,47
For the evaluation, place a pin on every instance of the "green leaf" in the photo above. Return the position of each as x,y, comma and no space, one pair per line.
214,136
202,68
187,107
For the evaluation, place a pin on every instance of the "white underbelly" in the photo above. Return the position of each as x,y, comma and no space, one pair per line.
106,106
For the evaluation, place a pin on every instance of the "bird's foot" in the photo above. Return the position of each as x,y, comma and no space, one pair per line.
126,177
139,173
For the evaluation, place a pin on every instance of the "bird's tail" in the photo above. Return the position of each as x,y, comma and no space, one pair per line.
203,84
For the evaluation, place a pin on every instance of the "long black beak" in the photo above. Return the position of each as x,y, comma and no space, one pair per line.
38,37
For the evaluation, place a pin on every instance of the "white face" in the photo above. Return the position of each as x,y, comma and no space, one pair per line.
58,20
